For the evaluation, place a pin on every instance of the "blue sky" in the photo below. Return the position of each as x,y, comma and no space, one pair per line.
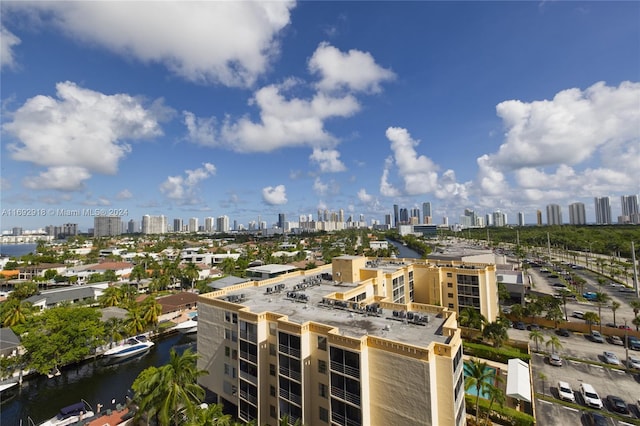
197,109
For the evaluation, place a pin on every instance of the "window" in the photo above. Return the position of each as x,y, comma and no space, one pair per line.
322,390
324,415
449,275
451,306
227,316
450,285
272,390
272,349
322,366
227,351
272,411
272,328
450,295
322,343
272,369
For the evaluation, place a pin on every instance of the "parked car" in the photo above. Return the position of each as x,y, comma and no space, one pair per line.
618,405
633,361
624,327
633,343
533,327
610,358
590,396
578,314
596,419
563,332
558,285
519,325
615,340
565,392
554,359
597,337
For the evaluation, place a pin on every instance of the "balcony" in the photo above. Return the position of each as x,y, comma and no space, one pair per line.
248,336
249,357
295,353
343,421
248,377
289,396
345,396
345,369
287,372
248,397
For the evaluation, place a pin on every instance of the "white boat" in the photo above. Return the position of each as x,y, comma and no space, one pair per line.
188,326
131,347
71,414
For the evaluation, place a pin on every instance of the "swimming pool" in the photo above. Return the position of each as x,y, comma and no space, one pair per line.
192,314
472,390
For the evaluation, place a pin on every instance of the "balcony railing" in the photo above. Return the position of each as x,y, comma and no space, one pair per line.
345,396
345,369
292,397
249,357
248,336
248,397
287,372
248,377
295,353
343,421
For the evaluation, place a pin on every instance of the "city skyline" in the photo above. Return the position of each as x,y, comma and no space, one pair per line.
270,117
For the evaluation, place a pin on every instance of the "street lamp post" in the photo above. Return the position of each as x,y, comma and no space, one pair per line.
626,344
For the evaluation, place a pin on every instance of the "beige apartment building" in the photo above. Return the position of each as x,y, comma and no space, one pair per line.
358,342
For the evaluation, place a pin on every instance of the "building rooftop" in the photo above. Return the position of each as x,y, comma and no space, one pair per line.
306,299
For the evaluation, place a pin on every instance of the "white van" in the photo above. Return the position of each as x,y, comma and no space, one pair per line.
578,314
590,396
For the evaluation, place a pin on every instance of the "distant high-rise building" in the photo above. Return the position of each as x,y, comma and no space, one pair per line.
107,226
539,217
177,225
603,210
426,213
281,220
488,219
132,226
387,219
404,216
630,211
521,221
499,218
154,224
396,216
209,224
554,214
577,215
222,224
193,224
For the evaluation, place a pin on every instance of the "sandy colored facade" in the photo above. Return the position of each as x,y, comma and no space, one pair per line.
358,342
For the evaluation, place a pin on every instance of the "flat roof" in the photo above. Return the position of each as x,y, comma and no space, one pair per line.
271,268
350,322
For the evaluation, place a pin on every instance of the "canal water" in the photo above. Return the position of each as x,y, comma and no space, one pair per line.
404,251
95,381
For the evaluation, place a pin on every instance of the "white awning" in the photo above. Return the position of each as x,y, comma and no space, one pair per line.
518,380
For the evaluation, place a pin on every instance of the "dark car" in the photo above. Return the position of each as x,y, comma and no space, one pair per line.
519,325
558,285
533,327
617,404
596,419
633,343
553,276
563,332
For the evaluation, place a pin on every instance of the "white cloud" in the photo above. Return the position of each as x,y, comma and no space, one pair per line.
183,188
286,122
79,130
418,172
7,42
201,130
274,195
319,187
225,42
569,128
386,188
353,70
125,194
491,180
61,178
5,185
364,197
328,160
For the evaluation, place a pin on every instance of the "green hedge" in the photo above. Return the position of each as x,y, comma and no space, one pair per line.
503,354
502,415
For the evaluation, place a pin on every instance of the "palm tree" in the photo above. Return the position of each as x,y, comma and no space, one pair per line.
479,377
601,299
111,296
285,421
537,337
496,332
15,312
635,305
170,393
191,272
471,318
212,415
496,394
151,310
114,329
591,318
137,273
554,342
135,320
614,307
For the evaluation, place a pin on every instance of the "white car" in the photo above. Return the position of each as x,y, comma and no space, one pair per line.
590,396
633,361
610,358
565,392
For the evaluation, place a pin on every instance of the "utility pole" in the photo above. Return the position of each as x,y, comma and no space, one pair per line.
549,246
635,270
626,343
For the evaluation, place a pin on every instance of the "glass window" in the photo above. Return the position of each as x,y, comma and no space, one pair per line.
322,343
322,366
272,369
